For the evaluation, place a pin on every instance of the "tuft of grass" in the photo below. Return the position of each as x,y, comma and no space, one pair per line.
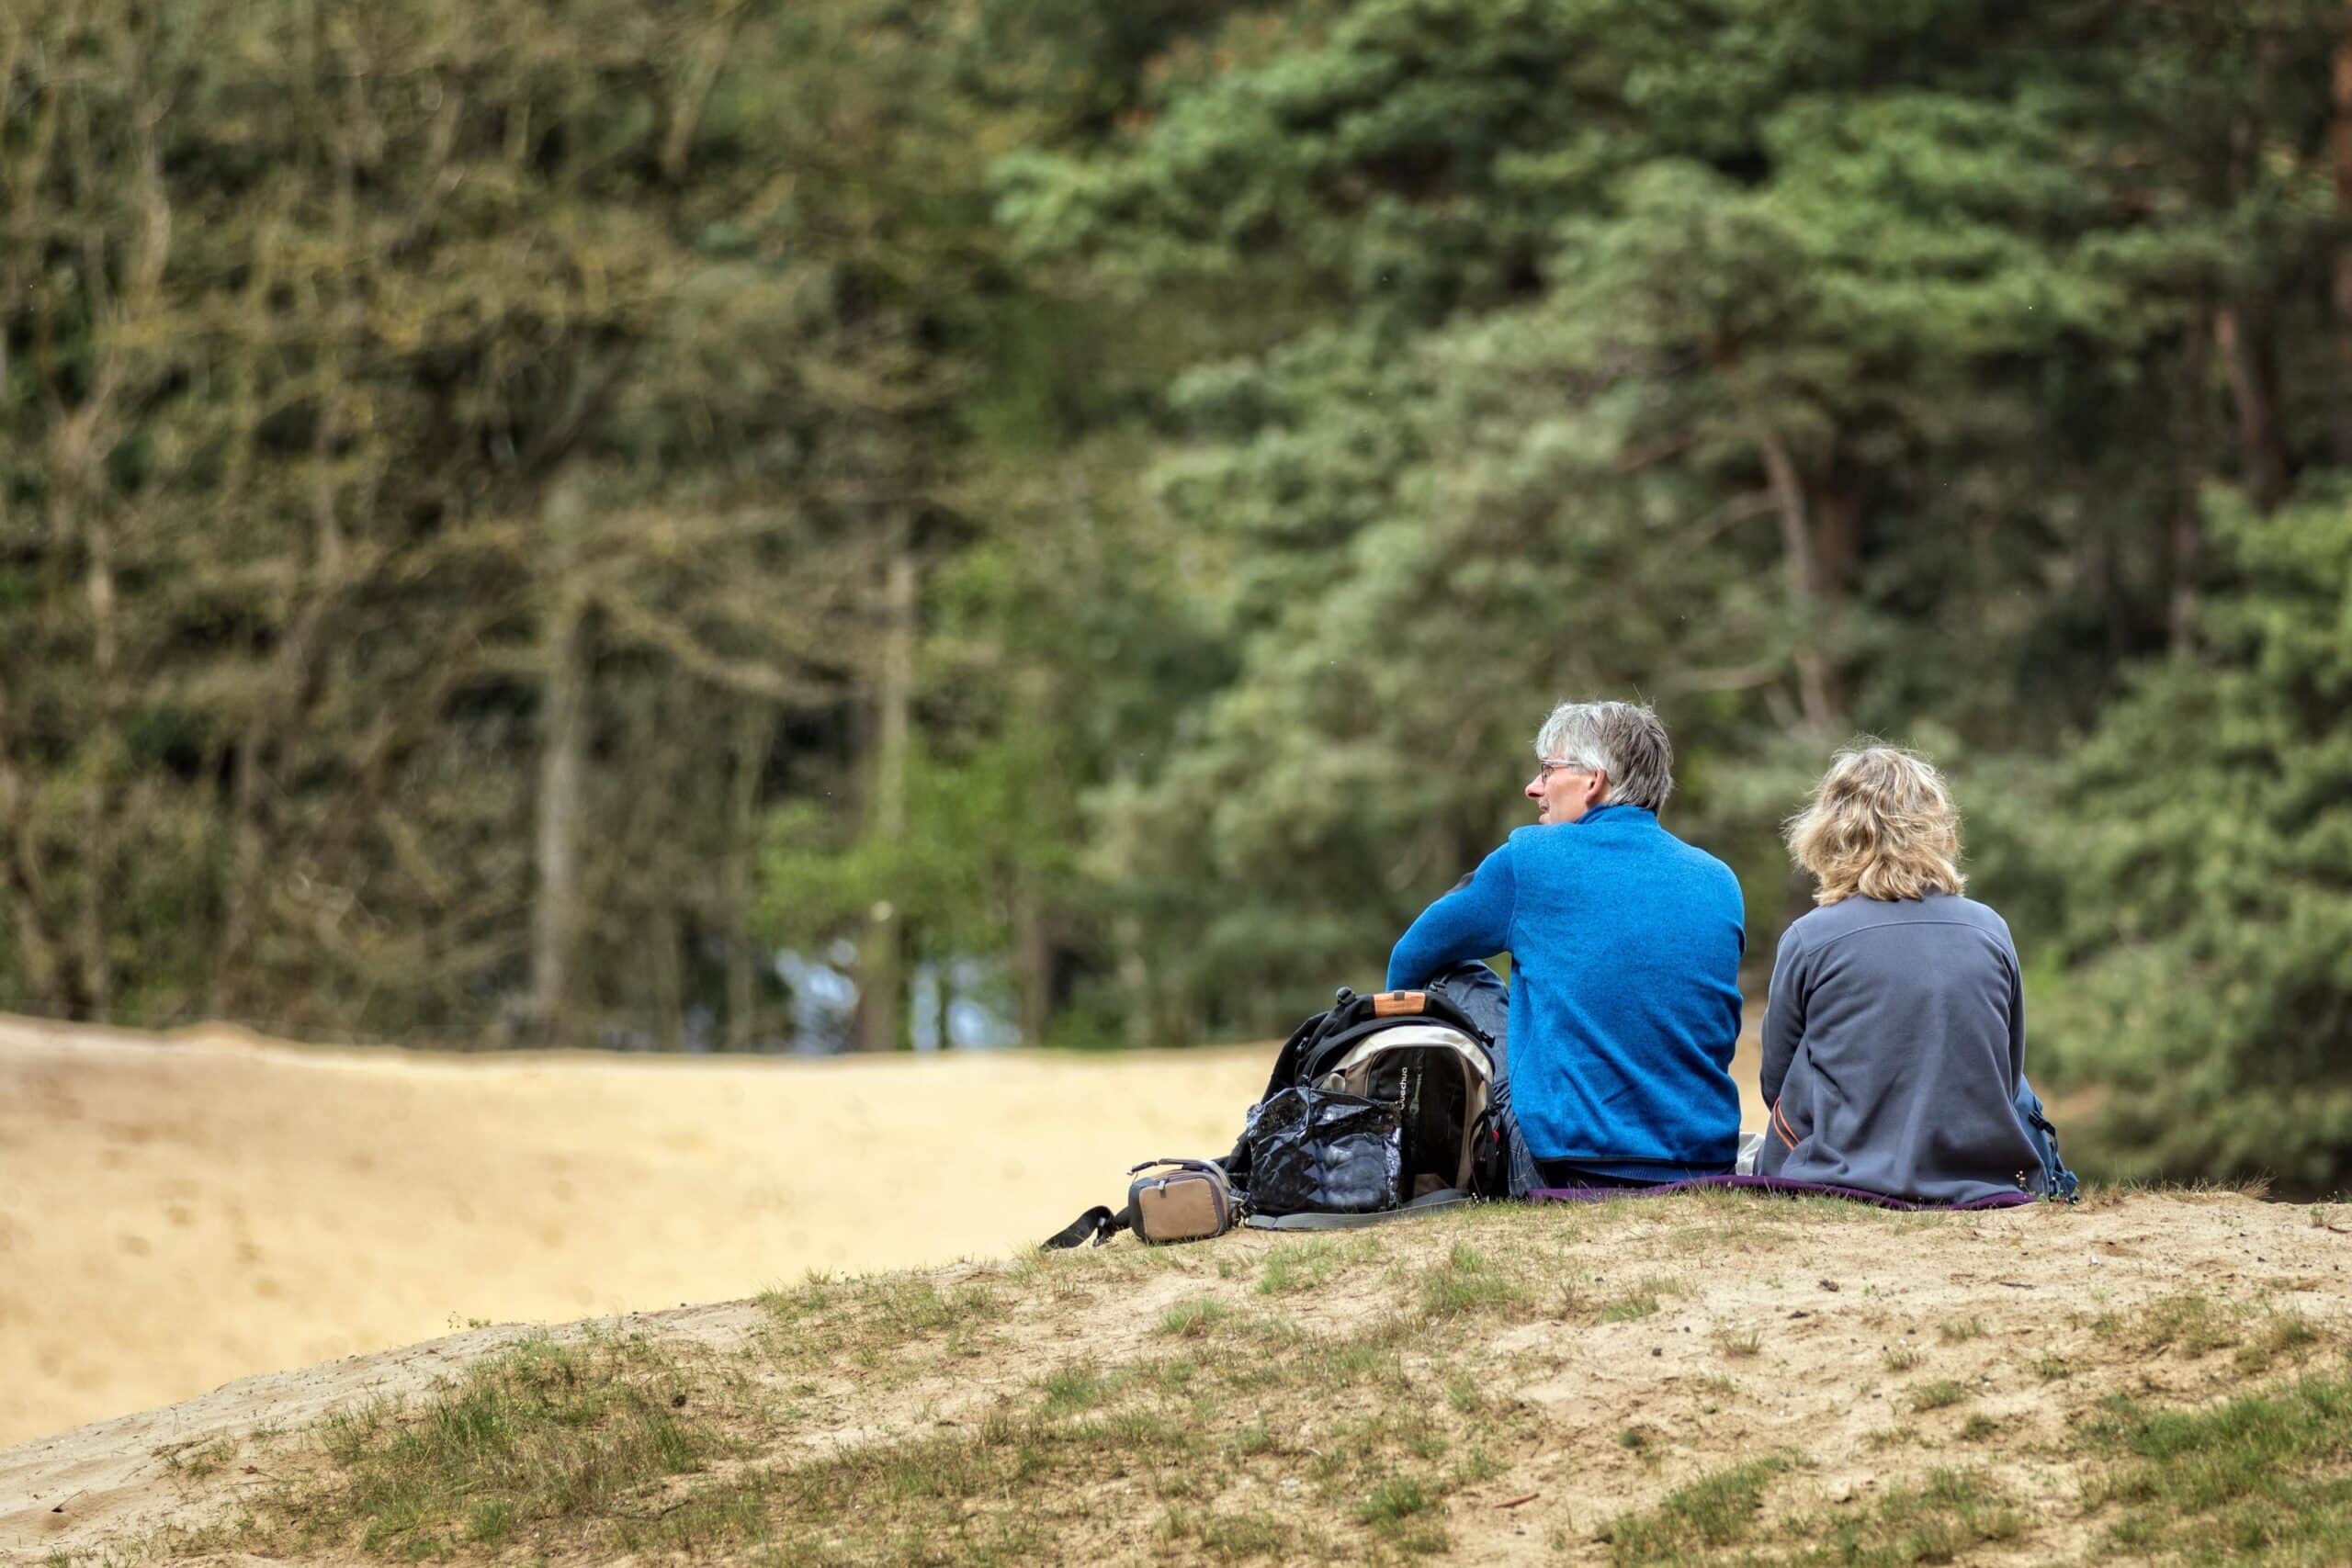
907,1307
1397,1498
2261,1478
1641,1299
1945,1518
491,1522
2280,1334
1254,1439
1901,1359
1740,1347
2191,1323
1396,1510
1938,1394
544,1431
1237,1537
1976,1429
1081,1387
1301,1266
1960,1332
1196,1318
816,1295
1715,1511
196,1461
1467,1281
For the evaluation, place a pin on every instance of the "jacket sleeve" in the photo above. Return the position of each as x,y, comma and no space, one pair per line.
1783,1015
1472,921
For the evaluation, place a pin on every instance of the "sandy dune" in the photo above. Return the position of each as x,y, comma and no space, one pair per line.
178,1211
1981,1302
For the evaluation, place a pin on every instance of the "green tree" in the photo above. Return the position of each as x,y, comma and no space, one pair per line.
2212,864
1572,355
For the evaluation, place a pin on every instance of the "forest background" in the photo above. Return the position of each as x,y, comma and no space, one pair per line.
513,517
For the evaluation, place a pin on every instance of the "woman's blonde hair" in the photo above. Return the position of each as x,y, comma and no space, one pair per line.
1881,823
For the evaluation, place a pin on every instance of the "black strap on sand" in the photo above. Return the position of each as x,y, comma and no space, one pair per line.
1099,1224
1091,1228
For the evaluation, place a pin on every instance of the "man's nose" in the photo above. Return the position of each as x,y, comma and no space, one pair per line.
1534,790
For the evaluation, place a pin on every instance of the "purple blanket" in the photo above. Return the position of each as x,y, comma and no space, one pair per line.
1768,1184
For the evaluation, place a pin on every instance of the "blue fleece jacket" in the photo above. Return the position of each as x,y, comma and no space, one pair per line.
1625,944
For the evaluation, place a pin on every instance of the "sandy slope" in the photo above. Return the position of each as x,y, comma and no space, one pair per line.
174,1213
1820,1301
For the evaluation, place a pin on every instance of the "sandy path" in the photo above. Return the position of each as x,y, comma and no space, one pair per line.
179,1211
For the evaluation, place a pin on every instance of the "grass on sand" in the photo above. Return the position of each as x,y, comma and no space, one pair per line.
1387,1395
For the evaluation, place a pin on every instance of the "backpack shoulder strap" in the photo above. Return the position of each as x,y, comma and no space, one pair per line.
1091,1228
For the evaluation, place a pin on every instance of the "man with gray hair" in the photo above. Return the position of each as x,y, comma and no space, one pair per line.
1625,943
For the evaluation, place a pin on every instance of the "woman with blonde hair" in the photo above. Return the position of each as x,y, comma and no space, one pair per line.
1894,1033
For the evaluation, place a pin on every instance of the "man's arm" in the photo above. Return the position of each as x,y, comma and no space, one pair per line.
1784,1017
1472,921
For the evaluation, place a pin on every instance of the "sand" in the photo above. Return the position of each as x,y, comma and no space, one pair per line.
178,1211
1771,1332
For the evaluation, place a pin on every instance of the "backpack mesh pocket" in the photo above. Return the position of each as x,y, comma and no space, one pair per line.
1316,1151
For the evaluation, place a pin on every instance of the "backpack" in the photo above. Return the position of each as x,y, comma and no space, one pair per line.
1384,1102
2057,1181
1406,1074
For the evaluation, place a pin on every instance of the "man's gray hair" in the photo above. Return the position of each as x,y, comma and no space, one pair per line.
1624,740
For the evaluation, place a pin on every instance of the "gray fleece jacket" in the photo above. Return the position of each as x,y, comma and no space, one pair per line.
1894,1042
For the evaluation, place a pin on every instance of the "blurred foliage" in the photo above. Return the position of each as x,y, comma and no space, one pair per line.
507,517
2211,993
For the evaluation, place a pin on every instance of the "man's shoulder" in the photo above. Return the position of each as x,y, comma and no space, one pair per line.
1657,854
1701,862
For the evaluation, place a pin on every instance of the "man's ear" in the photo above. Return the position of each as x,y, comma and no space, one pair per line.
1600,791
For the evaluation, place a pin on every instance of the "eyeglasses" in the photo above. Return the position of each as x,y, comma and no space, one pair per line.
1546,766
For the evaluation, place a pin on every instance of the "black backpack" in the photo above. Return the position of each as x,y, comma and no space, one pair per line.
1385,1102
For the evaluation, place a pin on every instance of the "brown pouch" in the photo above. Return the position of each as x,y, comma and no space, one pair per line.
1181,1200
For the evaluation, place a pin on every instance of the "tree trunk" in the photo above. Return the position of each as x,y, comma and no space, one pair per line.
1820,693
744,954
1804,574
97,795
669,977
1136,981
296,675
37,949
2185,539
563,743
2251,358
1837,547
882,953
1032,967
2339,142
242,890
